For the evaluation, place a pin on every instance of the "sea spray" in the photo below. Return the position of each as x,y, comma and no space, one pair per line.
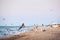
12,30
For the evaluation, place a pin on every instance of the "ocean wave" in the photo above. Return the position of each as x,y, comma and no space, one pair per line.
13,31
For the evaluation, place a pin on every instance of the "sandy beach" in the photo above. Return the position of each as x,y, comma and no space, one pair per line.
50,33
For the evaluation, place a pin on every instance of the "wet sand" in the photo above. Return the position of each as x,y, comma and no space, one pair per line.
37,34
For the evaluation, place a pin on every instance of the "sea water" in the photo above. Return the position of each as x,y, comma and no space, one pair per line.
7,30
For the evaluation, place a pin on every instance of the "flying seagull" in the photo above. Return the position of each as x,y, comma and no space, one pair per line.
21,26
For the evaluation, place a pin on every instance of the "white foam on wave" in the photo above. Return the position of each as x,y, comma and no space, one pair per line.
12,31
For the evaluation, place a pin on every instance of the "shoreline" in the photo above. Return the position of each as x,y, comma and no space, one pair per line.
37,34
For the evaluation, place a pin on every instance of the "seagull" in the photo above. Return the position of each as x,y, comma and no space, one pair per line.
21,26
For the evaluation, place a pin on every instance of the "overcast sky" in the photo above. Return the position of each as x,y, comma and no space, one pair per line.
29,11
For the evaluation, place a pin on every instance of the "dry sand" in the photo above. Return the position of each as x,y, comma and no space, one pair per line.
37,34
